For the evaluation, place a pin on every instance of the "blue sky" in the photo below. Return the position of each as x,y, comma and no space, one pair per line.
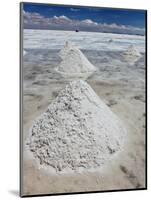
134,18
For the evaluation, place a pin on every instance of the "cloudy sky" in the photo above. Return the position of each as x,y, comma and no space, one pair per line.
42,16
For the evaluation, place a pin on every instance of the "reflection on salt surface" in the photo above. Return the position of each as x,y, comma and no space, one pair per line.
104,51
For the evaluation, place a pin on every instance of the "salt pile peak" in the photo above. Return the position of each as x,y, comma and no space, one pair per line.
69,46
77,132
74,64
131,54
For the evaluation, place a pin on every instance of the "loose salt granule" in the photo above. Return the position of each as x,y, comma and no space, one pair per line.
77,132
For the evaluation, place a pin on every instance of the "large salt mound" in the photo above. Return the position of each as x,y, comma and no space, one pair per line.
131,55
74,64
77,132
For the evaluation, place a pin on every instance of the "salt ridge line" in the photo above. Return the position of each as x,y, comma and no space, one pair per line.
77,132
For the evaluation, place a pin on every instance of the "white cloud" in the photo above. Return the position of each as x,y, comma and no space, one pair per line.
63,17
55,17
75,9
89,21
35,20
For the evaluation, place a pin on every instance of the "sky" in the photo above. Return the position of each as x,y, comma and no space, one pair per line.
46,16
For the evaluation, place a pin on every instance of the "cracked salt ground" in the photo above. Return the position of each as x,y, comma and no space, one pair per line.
77,132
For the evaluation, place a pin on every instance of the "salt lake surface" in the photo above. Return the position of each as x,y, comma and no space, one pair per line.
50,39
120,84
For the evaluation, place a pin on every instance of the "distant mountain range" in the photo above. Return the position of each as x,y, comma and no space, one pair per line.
37,21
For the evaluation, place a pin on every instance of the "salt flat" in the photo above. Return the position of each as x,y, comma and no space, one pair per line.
120,84
49,39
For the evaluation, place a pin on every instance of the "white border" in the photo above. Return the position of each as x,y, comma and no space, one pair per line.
9,98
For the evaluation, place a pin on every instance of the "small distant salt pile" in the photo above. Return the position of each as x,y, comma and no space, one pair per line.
74,64
77,132
131,55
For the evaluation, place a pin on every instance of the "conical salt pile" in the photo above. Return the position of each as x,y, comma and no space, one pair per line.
131,54
74,64
77,132
66,49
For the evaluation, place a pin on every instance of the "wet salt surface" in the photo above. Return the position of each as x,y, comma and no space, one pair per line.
120,85
39,67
